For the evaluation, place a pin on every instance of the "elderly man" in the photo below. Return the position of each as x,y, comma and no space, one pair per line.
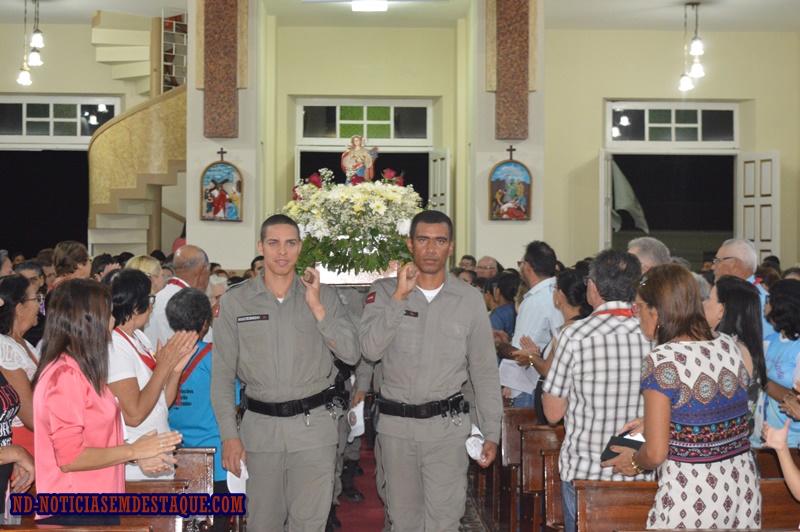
594,380
738,257
191,269
488,267
650,251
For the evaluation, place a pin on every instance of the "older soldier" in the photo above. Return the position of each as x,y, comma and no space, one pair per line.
432,334
276,333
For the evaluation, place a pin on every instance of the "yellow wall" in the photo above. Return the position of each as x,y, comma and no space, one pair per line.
69,64
585,68
354,62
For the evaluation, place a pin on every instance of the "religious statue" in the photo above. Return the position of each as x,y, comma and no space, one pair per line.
357,161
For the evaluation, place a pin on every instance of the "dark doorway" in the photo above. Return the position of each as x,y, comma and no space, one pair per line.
46,199
414,166
687,200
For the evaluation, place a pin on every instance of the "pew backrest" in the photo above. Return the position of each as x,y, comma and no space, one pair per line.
537,438
510,435
553,512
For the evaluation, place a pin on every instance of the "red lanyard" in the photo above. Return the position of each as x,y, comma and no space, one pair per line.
757,281
622,312
190,368
178,282
148,359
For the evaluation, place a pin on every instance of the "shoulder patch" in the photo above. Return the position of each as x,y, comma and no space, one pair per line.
255,317
216,312
370,298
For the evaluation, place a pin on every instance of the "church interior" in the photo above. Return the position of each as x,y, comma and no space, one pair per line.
176,97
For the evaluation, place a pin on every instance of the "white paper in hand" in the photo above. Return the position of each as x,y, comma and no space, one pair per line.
475,443
238,484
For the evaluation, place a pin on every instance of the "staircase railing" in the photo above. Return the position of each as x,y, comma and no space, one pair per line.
137,149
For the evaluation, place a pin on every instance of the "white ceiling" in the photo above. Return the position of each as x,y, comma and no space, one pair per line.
715,15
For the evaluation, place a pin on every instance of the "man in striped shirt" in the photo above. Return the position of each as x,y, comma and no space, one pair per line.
594,381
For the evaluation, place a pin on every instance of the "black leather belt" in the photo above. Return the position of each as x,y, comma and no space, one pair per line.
454,404
292,408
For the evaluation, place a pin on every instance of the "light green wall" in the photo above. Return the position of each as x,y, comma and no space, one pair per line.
69,64
585,68
354,62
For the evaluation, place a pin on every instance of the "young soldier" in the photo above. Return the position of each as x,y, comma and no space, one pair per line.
276,332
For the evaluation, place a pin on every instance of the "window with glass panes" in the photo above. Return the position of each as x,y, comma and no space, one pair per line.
384,122
53,119
675,124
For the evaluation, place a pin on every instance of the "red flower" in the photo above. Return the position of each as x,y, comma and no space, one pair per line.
356,179
295,197
315,180
389,174
399,181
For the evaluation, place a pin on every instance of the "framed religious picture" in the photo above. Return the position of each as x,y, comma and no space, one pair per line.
221,194
510,191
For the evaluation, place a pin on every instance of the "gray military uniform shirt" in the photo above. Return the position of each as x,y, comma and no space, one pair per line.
281,353
428,351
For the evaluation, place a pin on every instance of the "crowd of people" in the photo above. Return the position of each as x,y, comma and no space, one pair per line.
111,363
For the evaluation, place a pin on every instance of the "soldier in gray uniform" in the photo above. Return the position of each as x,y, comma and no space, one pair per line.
276,332
431,333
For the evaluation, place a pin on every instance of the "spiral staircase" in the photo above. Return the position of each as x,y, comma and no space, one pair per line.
134,155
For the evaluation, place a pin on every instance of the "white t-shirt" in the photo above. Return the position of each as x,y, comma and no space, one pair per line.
430,294
14,357
124,362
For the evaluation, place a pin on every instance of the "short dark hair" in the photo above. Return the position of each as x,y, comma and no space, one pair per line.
213,265
188,310
541,257
30,265
100,262
253,262
130,291
508,284
431,217
13,289
277,219
674,292
570,283
124,257
472,275
615,274
784,298
471,259
158,255
791,271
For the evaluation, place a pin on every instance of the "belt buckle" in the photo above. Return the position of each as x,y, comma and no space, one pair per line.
424,411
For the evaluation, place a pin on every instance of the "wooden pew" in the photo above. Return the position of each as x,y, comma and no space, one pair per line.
768,464
553,512
196,466
535,438
611,505
159,523
509,477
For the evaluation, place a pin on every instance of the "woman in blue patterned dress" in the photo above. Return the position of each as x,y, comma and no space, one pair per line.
695,397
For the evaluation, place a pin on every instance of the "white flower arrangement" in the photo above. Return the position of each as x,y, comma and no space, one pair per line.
353,227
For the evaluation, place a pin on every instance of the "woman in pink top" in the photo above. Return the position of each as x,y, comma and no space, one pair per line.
77,423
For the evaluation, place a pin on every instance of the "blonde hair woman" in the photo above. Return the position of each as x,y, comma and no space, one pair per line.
151,267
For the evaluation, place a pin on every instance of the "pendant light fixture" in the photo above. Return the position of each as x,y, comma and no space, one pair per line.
37,38
24,77
686,83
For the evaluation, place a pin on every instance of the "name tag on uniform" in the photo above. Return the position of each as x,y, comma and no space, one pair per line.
255,317
411,313
370,298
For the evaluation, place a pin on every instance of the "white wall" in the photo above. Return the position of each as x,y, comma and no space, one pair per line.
174,199
505,240
232,244
69,64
